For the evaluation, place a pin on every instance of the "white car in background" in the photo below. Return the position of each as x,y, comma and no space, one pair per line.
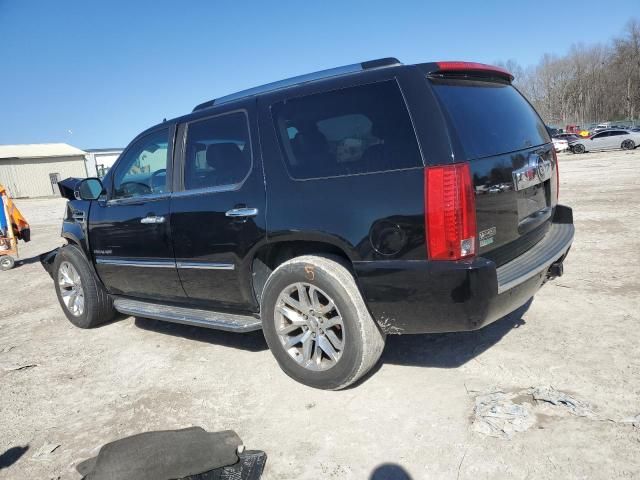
560,144
612,139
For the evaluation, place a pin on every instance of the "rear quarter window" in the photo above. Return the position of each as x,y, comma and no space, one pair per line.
350,131
489,118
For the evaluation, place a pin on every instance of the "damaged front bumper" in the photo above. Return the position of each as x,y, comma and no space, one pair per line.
47,259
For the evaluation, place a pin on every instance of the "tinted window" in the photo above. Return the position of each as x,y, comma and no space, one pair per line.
217,152
615,133
601,135
344,132
143,168
489,118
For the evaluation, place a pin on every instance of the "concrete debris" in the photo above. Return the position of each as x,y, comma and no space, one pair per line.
496,415
557,398
499,414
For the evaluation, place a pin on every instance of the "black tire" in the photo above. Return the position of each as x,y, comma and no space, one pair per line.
363,341
98,305
628,144
578,148
7,262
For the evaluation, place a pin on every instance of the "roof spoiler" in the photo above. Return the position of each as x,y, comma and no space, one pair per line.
471,69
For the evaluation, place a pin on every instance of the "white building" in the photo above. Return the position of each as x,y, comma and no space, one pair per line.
34,170
100,160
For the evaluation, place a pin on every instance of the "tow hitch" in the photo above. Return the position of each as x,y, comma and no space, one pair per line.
555,270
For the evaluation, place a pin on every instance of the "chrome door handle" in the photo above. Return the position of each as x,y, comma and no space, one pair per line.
242,212
152,219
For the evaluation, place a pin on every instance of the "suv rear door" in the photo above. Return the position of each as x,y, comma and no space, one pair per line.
129,231
218,214
512,160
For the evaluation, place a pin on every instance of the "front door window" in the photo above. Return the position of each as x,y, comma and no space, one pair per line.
143,169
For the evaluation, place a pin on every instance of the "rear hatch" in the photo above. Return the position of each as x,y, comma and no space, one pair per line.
512,160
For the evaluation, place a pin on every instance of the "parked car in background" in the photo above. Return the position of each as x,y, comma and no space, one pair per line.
568,136
560,144
552,131
601,126
612,139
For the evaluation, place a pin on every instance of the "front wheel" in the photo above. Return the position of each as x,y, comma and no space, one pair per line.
628,145
317,324
578,148
84,300
7,262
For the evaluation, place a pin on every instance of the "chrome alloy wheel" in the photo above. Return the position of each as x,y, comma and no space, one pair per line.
309,326
71,290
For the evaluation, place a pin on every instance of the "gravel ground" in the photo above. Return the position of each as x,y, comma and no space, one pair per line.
64,392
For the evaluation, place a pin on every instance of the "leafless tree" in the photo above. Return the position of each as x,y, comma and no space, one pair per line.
589,84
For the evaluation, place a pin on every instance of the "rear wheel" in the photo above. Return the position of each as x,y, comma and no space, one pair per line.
578,148
628,145
317,325
84,300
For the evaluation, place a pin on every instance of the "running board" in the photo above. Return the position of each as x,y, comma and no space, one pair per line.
188,316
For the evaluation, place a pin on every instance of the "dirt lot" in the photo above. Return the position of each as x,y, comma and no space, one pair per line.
64,392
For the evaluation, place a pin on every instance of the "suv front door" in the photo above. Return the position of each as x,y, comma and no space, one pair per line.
129,230
218,217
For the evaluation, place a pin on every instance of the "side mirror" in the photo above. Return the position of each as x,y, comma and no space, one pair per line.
89,189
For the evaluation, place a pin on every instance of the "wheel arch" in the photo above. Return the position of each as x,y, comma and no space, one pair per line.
72,238
270,255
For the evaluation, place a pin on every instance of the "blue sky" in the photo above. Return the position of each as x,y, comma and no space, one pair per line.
96,73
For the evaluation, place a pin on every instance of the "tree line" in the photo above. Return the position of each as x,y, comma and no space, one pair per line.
590,84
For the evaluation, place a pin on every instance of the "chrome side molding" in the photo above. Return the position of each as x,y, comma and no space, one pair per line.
143,263
136,263
205,266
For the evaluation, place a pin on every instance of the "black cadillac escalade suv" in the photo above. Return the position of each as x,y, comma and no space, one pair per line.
328,210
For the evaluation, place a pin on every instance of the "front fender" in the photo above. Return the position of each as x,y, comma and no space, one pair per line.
75,230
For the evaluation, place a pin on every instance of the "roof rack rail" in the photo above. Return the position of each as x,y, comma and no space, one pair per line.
309,77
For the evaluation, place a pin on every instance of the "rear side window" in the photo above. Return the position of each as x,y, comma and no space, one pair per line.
489,118
217,152
354,130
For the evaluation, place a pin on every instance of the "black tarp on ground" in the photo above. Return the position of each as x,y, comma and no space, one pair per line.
170,454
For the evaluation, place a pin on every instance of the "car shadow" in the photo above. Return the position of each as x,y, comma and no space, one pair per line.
251,341
449,350
12,455
441,350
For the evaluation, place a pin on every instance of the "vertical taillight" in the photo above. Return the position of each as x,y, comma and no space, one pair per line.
555,161
450,212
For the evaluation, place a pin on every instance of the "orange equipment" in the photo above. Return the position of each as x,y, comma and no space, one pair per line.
17,228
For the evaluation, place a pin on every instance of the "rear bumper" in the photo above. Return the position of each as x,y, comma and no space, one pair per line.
431,297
